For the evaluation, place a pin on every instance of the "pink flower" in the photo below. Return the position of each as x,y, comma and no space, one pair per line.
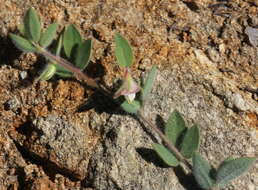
129,87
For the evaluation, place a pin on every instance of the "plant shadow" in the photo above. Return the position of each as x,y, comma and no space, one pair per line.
187,181
8,52
150,156
160,123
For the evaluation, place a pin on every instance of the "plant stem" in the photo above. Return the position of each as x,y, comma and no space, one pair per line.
67,65
170,146
93,84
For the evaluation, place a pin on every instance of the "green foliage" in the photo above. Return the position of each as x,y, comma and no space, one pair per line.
48,36
123,51
36,41
21,29
61,71
59,45
186,140
175,127
202,172
231,169
48,72
148,84
190,142
165,155
32,25
83,54
22,44
77,50
132,107
72,38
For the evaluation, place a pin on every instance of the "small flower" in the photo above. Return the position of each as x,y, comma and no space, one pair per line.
129,87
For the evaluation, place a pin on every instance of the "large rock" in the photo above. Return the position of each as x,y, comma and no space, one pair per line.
125,159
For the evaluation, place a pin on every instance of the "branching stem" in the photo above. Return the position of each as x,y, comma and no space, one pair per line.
93,84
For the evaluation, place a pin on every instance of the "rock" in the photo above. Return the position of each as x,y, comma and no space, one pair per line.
23,74
239,102
126,160
65,147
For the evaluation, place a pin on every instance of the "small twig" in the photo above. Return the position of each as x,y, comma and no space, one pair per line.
171,147
67,65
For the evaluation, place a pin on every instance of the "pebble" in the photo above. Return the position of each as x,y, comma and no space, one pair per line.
23,74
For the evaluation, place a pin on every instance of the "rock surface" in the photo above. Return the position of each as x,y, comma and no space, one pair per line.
207,71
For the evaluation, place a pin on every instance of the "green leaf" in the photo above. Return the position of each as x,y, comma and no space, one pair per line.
132,107
21,29
165,155
83,54
32,25
22,43
231,169
49,35
190,142
175,126
48,72
59,45
62,72
149,83
123,51
202,171
72,38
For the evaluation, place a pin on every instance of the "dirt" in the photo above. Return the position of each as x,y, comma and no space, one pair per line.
203,40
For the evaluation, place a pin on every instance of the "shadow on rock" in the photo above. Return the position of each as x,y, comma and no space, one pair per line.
187,181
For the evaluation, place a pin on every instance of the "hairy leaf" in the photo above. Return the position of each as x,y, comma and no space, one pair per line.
83,54
175,126
132,107
190,142
49,35
231,169
32,25
22,43
72,38
165,155
148,83
201,171
123,51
